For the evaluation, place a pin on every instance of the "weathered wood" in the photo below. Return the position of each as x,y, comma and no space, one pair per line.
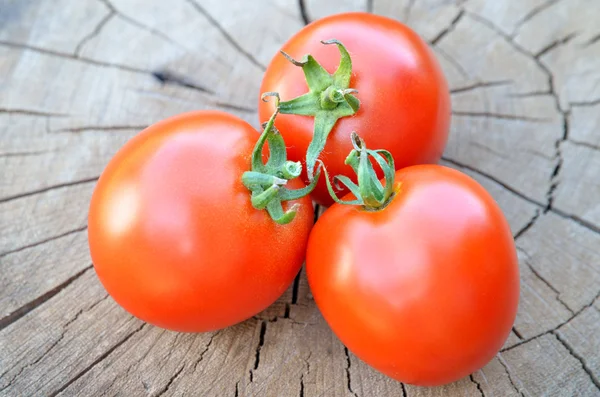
77,79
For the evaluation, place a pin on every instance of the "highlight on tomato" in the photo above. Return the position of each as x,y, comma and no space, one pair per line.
190,230
383,81
419,275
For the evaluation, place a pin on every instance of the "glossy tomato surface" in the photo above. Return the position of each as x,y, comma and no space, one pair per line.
405,103
425,290
173,235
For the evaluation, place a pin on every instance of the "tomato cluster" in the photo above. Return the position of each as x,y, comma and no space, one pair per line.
195,226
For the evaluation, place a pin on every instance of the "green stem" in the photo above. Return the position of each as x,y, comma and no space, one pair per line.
266,181
328,99
370,193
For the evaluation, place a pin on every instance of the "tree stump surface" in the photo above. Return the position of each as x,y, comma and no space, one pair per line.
79,78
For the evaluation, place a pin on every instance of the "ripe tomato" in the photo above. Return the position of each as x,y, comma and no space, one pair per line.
172,232
424,290
404,97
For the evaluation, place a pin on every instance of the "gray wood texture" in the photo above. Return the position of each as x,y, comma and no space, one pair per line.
79,78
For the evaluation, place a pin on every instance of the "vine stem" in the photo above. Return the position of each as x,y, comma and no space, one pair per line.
267,181
328,99
369,192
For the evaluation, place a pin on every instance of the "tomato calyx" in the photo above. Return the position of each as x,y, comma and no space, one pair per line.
369,192
266,181
328,99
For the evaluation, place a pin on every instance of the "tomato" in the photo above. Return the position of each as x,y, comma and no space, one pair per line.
404,97
426,289
173,234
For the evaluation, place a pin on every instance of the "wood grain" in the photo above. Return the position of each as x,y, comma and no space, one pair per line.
78,79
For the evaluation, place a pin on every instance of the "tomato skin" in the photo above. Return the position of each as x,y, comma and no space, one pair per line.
405,102
173,235
425,290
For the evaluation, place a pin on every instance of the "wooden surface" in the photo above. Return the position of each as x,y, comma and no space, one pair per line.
79,78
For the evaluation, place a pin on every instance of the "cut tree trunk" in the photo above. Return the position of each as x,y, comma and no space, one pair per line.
79,78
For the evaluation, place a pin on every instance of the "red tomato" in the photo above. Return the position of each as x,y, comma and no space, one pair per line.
425,290
173,235
405,103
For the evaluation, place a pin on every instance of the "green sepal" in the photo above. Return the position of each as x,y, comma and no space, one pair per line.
251,179
266,181
317,78
369,191
357,201
287,194
260,199
275,210
329,99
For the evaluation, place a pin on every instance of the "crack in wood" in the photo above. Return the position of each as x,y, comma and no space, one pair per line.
72,57
577,143
25,154
302,375
567,321
201,10
493,179
238,108
261,342
499,116
517,333
581,222
593,102
47,189
593,40
448,29
554,177
478,385
403,387
28,112
44,241
555,44
102,128
530,94
302,385
140,25
53,344
170,382
34,304
510,379
488,149
539,154
81,311
167,77
206,348
37,360
296,286
535,11
348,366
96,362
579,358
454,62
481,84
95,32
528,225
303,12
527,261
